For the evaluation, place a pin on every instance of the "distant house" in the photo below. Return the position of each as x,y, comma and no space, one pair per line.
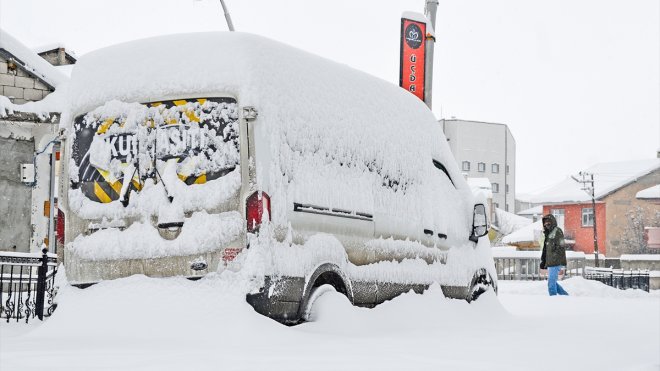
620,215
24,76
533,213
485,150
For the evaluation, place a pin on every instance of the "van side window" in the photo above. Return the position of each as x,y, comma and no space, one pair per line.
442,168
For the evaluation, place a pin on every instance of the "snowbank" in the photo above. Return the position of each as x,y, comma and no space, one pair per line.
146,324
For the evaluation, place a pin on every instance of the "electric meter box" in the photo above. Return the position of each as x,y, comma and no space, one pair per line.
27,173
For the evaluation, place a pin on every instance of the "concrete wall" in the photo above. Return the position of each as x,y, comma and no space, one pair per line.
15,230
620,203
19,86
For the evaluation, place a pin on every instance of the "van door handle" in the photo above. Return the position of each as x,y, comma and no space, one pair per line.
429,232
442,235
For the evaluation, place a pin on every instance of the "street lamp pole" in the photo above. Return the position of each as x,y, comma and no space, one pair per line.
227,16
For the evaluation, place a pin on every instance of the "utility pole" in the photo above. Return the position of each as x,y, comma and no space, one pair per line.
590,189
429,11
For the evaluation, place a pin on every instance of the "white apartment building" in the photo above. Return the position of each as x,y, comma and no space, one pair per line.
485,150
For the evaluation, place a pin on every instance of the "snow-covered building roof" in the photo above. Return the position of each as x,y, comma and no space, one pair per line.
55,46
529,233
508,222
536,210
608,177
30,61
649,193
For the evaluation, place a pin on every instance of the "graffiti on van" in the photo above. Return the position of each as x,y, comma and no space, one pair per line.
200,135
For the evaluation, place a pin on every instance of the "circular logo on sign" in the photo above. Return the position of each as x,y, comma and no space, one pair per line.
413,35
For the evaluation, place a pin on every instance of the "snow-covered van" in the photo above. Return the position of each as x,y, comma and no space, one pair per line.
204,153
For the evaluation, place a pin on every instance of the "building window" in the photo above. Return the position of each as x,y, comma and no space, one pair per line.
481,167
496,188
506,207
466,165
507,169
495,168
587,217
557,213
559,217
496,205
507,188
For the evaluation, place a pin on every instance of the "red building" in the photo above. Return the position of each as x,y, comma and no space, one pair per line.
577,221
621,216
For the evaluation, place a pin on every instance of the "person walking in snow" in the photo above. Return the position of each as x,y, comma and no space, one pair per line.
553,257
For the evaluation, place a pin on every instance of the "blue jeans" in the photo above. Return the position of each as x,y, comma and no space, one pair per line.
553,287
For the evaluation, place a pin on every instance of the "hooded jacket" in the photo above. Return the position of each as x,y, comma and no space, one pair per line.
554,249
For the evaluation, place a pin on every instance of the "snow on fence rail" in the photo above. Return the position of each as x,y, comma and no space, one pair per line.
27,285
525,265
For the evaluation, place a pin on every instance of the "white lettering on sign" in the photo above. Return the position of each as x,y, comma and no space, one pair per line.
413,70
122,145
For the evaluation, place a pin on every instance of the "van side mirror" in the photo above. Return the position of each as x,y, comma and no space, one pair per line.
479,223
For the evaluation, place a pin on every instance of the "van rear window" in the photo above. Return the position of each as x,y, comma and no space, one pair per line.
200,135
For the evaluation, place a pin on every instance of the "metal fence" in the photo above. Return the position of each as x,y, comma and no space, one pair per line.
27,285
619,278
526,268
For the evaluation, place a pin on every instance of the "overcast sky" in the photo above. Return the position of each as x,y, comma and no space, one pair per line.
576,81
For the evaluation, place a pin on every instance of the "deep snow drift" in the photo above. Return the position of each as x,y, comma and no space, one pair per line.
138,323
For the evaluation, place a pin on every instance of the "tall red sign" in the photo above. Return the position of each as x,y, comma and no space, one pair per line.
413,53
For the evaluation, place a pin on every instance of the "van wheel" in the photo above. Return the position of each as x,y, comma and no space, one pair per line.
309,313
481,282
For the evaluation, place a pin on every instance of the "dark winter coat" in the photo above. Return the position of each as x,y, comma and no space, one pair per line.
554,248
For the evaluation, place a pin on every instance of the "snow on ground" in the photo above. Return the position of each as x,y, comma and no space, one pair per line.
138,323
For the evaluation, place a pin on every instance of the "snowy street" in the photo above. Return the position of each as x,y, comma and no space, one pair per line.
174,324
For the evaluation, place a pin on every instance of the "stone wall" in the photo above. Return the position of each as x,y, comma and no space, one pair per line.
619,204
19,86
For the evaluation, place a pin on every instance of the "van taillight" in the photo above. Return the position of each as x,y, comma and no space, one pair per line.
59,227
256,205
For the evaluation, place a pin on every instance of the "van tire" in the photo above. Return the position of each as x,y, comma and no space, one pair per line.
309,314
481,283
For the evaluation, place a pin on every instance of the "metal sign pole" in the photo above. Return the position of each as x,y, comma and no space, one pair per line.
430,10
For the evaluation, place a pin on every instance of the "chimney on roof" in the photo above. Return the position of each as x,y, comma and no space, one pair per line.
61,56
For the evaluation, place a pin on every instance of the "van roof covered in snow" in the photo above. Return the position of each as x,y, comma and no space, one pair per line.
290,87
251,67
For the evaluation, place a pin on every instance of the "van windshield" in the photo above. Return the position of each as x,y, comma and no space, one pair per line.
120,141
